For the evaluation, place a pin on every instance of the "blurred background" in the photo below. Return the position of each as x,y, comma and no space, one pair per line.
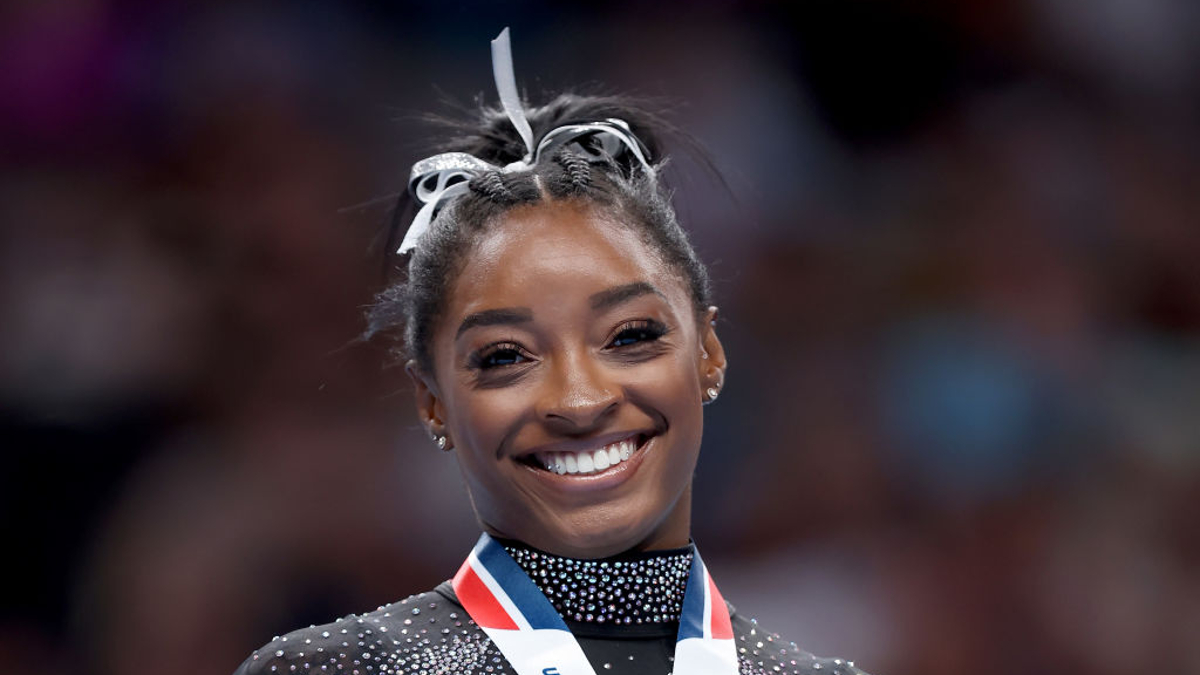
957,268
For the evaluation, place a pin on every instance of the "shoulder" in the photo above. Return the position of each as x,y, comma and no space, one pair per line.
761,651
393,638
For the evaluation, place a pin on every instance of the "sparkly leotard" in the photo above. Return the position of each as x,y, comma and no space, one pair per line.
624,611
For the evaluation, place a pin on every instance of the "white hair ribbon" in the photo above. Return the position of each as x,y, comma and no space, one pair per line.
436,180
433,181
506,86
608,138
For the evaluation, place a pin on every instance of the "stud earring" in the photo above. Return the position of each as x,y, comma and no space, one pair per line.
711,393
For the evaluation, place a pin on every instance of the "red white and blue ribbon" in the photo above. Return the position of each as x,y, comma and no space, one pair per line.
522,623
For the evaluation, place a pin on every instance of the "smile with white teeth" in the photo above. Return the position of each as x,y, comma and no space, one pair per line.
587,461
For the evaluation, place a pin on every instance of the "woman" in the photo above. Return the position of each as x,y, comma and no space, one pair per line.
562,345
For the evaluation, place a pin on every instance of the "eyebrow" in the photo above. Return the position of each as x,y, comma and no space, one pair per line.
515,315
618,294
495,317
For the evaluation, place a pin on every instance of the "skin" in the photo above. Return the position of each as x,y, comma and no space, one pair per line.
550,341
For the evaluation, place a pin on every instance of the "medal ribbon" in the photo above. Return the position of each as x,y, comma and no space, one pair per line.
522,623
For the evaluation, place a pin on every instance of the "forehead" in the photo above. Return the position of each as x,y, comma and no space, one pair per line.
552,251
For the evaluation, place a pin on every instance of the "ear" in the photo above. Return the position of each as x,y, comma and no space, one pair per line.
430,409
712,362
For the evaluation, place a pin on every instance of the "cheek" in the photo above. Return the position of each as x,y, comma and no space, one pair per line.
674,376
478,430
671,387
482,419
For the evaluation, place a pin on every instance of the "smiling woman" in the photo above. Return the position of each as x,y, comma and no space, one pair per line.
568,372
562,345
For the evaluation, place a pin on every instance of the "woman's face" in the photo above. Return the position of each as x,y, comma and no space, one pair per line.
569,371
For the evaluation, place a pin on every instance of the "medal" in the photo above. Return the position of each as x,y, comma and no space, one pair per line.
522,623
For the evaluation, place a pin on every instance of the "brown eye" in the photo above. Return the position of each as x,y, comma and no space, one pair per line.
503,357
638,332
498,356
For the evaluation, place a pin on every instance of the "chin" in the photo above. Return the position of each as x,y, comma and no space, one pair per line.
609,530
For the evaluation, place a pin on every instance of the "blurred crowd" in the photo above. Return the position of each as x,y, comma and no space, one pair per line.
956,263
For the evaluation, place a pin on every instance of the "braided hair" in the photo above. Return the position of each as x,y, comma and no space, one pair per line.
410,306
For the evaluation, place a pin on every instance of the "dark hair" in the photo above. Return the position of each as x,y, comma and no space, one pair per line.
416,298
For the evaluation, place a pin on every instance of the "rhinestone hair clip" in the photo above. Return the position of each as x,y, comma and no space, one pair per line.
435,181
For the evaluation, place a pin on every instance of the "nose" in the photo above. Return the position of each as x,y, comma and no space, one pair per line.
577,395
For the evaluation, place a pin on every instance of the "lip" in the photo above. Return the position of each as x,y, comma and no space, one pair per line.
589,443
602,480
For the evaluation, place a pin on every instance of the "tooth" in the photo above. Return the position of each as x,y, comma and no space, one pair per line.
626,450
569,462
586,462
614,455
559,467
600,458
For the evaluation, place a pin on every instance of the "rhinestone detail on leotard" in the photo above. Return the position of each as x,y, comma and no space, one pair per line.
630,590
